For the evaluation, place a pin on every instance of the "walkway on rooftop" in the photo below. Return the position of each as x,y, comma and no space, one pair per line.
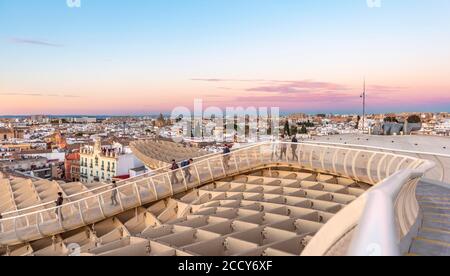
434,234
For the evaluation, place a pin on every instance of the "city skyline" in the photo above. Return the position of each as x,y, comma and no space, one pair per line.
116,58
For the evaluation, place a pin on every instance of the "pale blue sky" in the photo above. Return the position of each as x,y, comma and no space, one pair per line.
151,50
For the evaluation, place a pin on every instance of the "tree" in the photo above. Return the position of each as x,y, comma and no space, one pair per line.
303,130
161,121
357,122
179,118
294,129
390,120
414,119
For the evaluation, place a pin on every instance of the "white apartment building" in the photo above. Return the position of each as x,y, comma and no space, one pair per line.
104,163
85,120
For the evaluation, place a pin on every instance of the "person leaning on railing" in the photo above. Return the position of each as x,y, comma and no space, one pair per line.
275,148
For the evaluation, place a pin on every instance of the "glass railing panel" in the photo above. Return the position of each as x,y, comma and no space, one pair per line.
255,156
110,202
25,227
162,184
145,190
205,171
216,166
327,160
90,211
265,152
177,181
314,158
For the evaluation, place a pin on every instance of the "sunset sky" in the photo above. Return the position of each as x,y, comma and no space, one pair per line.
143,57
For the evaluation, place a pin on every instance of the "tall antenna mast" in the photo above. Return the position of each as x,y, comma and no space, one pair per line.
364,106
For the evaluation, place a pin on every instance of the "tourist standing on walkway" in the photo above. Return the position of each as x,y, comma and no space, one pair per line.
114,194
283,147
187,169
59,202
294,148
174,179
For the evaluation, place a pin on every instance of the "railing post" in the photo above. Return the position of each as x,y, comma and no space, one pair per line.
100,199
287,156
345,162
380,163
388,170
149,187
322,158
184,179
248,159
210,170
120,200
136,188
369,167
442,166
335,155
401,163
81,213
235,163
299,154
15,228
261,155
355,175
37,225
223,167
198,175
170,182
154,188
